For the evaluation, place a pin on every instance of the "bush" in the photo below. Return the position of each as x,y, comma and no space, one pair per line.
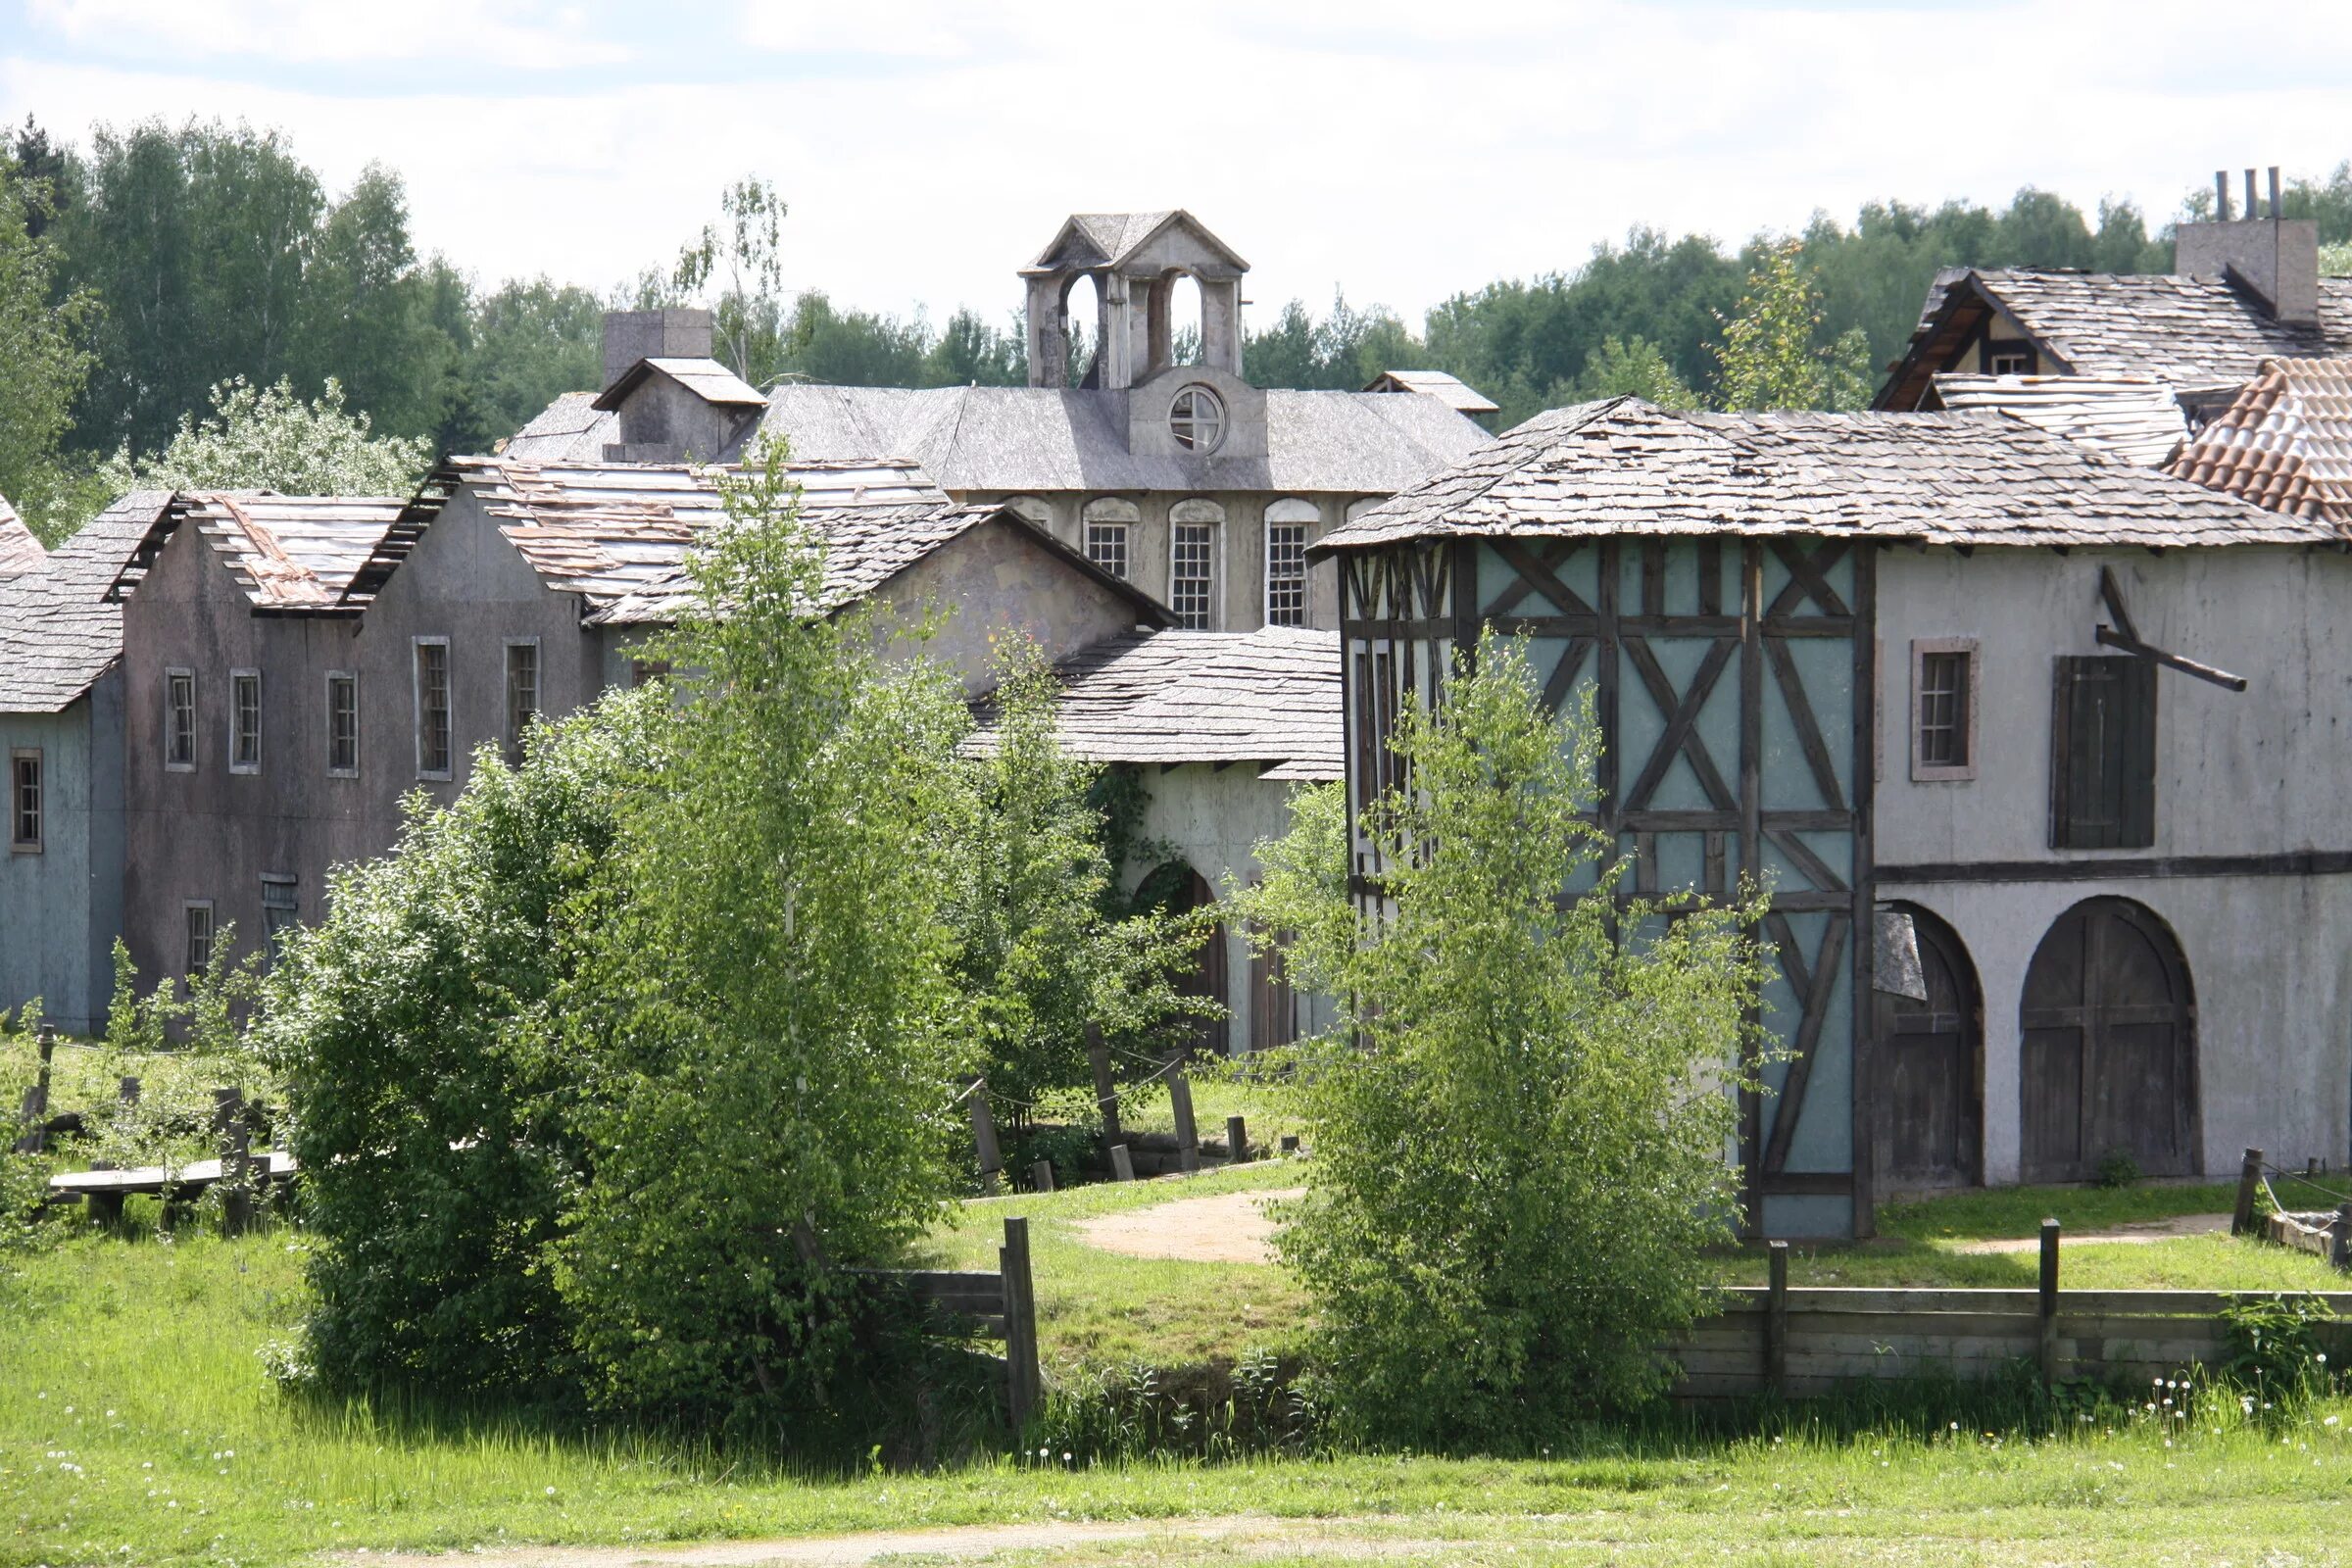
1520,1119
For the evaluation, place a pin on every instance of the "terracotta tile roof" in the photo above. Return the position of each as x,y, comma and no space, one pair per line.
2284,444
19,551
290,554
2136,418
1269,697
60,627
1624,466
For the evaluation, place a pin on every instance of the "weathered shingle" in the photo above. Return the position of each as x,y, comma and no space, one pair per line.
19,551
2136,418
1450,390
1623,467
570,429
707,379
2285,444
1270,698
288,552
59,630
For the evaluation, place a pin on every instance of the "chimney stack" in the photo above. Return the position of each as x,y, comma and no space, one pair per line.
2274,258
676,333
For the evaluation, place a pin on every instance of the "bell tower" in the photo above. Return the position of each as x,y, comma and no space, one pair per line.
1135,261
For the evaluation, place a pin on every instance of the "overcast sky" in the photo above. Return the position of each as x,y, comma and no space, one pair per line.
1403,149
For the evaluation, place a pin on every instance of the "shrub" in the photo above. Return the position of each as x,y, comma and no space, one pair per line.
1520,1120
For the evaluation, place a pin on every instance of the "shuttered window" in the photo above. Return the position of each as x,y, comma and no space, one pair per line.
2103,754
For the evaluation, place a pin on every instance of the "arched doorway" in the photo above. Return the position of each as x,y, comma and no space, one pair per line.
1931,1057
2108,1062
1179,889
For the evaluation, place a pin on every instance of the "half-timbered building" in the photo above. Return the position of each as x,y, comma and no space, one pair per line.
1948,667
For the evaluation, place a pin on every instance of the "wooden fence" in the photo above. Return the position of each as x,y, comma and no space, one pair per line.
1803,1342
1002,1306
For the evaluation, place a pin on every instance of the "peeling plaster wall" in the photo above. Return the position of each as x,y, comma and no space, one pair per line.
2259,772
993,579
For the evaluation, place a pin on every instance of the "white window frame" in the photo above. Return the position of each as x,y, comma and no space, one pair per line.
511,735
328,693
1286,513
40,800
1199,512
448,697
1922,771
171,729
212,931
1109,511
235,676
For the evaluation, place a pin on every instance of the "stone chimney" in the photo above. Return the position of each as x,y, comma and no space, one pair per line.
2275,259
677,333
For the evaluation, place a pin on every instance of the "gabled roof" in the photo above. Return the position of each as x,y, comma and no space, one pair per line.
19,551
2285,444
1269,697
2135,419
707,379
1111,239
292,555
619,534
570,429
1624,466
60,629
1449,390
2191,333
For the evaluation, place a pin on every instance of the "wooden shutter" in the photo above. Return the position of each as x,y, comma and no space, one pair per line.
2103,754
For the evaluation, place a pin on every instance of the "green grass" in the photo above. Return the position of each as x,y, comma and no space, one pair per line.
136,1365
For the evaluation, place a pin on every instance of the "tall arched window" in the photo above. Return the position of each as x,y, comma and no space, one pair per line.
1109,529
1192,536
1287,524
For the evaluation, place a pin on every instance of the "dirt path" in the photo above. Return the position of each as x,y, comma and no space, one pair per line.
1230,1228
1315,1537
2140,1232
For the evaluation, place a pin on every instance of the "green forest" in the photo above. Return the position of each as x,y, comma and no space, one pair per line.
144,267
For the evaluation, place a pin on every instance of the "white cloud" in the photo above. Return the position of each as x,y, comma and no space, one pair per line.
314,32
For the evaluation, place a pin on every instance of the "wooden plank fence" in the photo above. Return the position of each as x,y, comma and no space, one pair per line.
1808,1341
1002,1306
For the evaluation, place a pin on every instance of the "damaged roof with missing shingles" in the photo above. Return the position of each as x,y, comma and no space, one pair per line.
1269,697
619,534
292,554
1450,390
60,629
19,551
2132,417
2285,444
1624,466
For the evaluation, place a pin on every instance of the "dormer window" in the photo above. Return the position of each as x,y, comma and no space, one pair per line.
2009,359
1197,418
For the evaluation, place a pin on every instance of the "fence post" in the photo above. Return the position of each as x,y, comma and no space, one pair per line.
1237,1139
1122,1163
1107,1093
1775,1319
1040,1175
32,1118
984,1134
230,1120
2249,1181
127,1089
1180,1100
1022,1386
2340,1253
2050,1301
48,1049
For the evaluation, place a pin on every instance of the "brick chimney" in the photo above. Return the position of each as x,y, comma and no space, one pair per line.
677,333
2274,258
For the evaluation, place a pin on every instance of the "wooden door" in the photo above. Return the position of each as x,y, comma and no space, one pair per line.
2108,1059
1930,1056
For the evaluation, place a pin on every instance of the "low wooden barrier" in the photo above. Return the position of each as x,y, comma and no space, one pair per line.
1002,1306
1800,1341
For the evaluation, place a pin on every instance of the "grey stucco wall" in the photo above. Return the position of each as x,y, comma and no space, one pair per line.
2239,774
993,580
61,908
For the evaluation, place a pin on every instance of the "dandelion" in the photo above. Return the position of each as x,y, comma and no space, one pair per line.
551,1491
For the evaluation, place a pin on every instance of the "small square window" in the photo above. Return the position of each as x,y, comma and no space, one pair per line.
2009,359
244,721
433,707
180,721
1107,547
198,958
342,723
24,801
522,696
1943,710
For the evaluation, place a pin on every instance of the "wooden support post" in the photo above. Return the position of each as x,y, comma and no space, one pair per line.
1122,1163
232,1119
984,1134
127,1089
2249,1182
106,1208
1180,1100
32,1116
1040,1175
1290,1143
2050,1301
1237,1139
2342,1250
1023,1386
1107,1093
48,1049
1775,1320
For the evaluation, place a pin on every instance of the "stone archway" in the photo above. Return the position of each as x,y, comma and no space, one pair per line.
1179,889
2108,1057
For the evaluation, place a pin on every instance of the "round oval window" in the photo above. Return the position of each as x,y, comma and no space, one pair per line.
1197,418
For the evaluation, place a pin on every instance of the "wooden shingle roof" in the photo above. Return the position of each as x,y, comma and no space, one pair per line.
60,627
1624,466
291,555
2135,419
2284,444
19,551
